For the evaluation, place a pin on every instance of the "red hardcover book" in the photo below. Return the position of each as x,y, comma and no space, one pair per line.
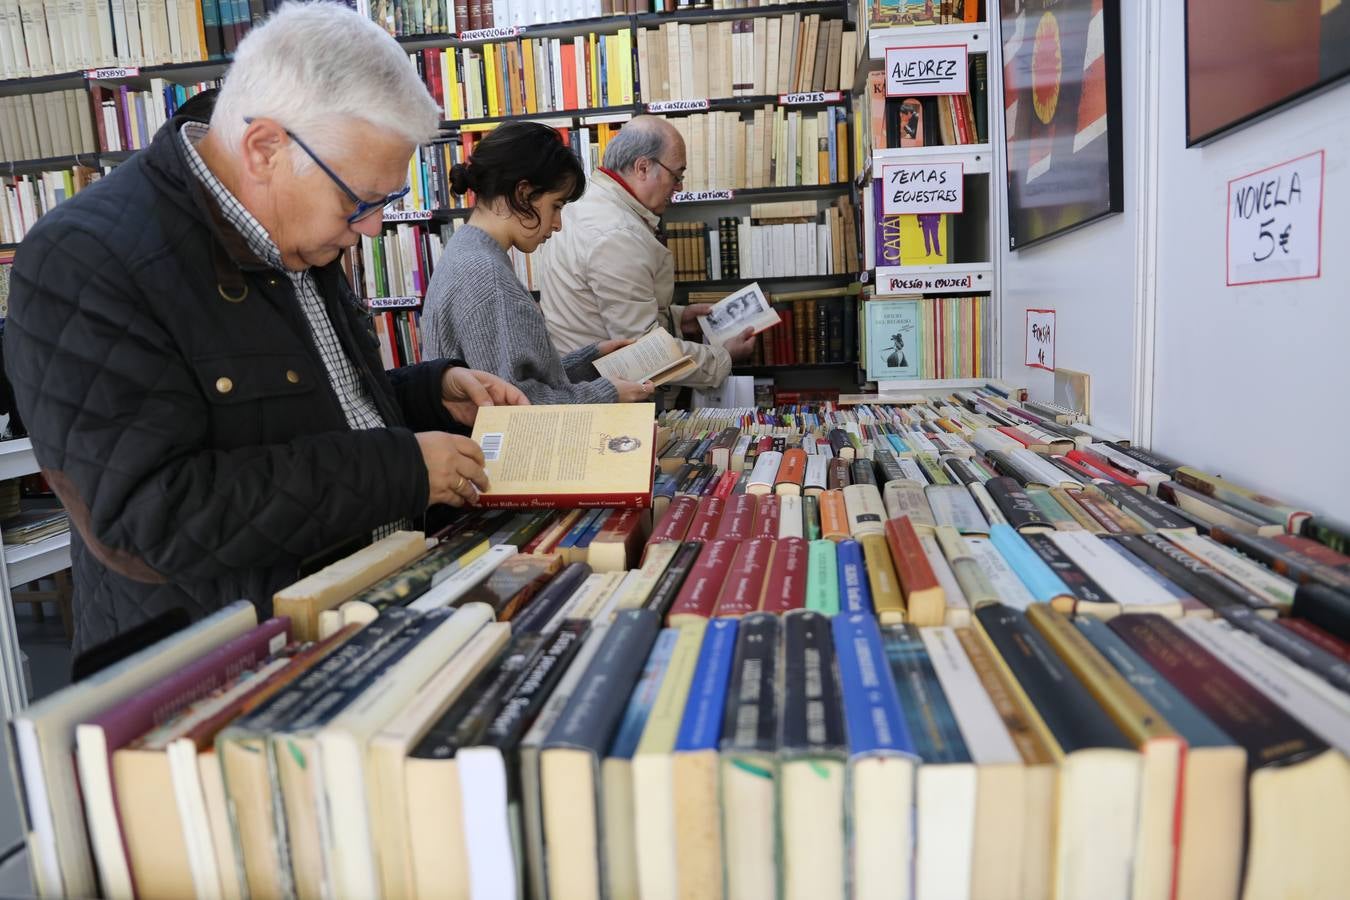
785,585
738,518
765,445
726,485
1018,435
568,53
740,594
1314,550
698,594
674,525
766,517
1320,637
475,16
1106,469
925,602
462,21
704,525
615,546
1091,474
791,471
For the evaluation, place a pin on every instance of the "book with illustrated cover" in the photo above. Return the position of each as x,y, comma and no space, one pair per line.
893,346
580,455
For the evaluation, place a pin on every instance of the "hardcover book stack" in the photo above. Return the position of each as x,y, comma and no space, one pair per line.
863,663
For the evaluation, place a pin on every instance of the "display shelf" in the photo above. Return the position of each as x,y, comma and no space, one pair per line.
956,278
570,28
745,103
974,35
17,459
29,562
975,159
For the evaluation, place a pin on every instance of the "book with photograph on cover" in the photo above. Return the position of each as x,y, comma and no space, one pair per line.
746,308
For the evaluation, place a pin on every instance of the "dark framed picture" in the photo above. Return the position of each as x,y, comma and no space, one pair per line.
1245,58
1061,90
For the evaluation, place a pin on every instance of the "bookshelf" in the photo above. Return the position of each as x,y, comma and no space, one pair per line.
970,269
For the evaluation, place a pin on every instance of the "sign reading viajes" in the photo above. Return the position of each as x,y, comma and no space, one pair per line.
893,339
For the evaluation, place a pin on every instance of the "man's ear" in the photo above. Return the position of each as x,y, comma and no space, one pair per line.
263,150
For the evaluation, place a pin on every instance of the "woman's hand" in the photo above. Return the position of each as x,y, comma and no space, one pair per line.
464,390
632,391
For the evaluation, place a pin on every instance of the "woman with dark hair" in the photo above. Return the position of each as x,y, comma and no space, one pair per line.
476,309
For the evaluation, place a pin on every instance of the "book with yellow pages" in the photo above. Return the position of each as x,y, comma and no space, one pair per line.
656,357
571,456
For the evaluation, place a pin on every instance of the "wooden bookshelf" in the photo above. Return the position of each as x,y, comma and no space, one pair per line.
733,283
792,367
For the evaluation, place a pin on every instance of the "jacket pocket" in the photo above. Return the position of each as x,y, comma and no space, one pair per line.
260,398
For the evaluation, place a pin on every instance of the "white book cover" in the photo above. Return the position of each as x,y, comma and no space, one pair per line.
958,606
986,439
817,466
1123,582
460,581
953,505
1097,434
765,471
1035,463
986,736
920,441
1010,589
1309,707
1273,588
985,501
487,823
790,515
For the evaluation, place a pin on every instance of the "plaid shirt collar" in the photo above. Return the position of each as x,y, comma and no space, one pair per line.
252,231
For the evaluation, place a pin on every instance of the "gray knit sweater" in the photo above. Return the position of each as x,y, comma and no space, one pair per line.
478,311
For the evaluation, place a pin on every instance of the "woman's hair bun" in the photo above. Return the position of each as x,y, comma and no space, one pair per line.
461,180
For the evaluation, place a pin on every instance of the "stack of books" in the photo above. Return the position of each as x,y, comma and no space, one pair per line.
791,239
33,526
899,13
943,120
819,326
909,670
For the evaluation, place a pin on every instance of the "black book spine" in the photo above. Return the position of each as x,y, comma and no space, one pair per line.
750,721
1156,515
1068,710
850,329
890,467
1213,589
1070,471
960,472
1001,463
780,444
518,713
1075,579
1285,560
1325,608
668,586
592,713
861,472
839,440
1294,646
1153,460
551,599
812,717
510,671
1328,532
837,474
1019,509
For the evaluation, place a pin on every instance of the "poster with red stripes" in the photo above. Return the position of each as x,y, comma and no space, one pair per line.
1061,95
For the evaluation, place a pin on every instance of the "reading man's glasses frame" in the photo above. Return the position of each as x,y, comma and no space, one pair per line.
364,208
677,176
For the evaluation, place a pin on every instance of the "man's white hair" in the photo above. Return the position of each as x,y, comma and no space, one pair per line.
316,67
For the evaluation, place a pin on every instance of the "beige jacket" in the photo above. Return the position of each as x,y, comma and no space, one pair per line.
605,275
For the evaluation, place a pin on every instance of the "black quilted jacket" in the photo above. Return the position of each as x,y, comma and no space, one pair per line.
195,440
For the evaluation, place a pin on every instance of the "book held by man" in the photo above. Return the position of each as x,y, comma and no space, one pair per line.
746,308
577,455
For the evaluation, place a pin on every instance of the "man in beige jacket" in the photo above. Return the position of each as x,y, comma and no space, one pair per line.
606,275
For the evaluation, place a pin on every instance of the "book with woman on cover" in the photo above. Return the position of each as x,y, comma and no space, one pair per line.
567,456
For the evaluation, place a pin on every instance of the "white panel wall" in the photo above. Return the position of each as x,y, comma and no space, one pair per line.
1247,381
1087,277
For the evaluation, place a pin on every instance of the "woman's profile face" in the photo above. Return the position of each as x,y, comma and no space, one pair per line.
548,207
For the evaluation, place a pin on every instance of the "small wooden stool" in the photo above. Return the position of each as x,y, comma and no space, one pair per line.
62,594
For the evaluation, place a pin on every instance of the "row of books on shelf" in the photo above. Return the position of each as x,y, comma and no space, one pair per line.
530,75
817,327
397,262
52,38
939,121
777,240
772,146
42,126
888,705
127,119
399,334
771,55
26,198
928,338
900,13
927,239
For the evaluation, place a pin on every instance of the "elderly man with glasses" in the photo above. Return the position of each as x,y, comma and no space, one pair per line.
203,389
606,275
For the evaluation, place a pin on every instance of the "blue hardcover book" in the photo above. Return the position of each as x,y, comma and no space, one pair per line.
578,529
932,723
854,594
643,697
701,725
593,529
664,487
872,711
1030,569
540,611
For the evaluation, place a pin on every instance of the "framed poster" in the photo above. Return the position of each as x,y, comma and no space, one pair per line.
893,344
1061,95
1245,58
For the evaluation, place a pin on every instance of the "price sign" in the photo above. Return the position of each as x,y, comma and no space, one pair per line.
660,106
923,188
810,97
111,73
696,196
393,302
927,71
492,34
1040,339
1275,222
408,215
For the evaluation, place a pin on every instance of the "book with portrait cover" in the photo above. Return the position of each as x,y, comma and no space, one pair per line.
893,345
578,455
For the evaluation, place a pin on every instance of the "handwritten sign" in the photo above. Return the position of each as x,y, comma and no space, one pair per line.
923,188
659,106
1040,339
407,215
927,71
111,73
892,281
393,302
698,196
492,34
1275,222
810,97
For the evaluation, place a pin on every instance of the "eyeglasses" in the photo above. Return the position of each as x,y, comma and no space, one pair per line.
364,208
677,176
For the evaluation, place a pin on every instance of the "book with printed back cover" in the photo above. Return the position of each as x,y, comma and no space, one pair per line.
568,456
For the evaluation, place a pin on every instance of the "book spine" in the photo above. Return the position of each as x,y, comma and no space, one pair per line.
854,592
822,577
672,580
871,704
750,719
698,596
812,718
701,723
785,588
549,600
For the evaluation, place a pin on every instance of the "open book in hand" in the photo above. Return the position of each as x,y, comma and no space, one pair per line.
746,308
656,357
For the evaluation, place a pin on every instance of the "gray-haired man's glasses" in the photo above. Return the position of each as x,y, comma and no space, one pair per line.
364,209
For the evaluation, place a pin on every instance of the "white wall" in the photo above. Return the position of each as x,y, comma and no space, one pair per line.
1246,381
1087,277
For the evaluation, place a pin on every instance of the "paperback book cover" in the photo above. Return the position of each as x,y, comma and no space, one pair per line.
893,342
